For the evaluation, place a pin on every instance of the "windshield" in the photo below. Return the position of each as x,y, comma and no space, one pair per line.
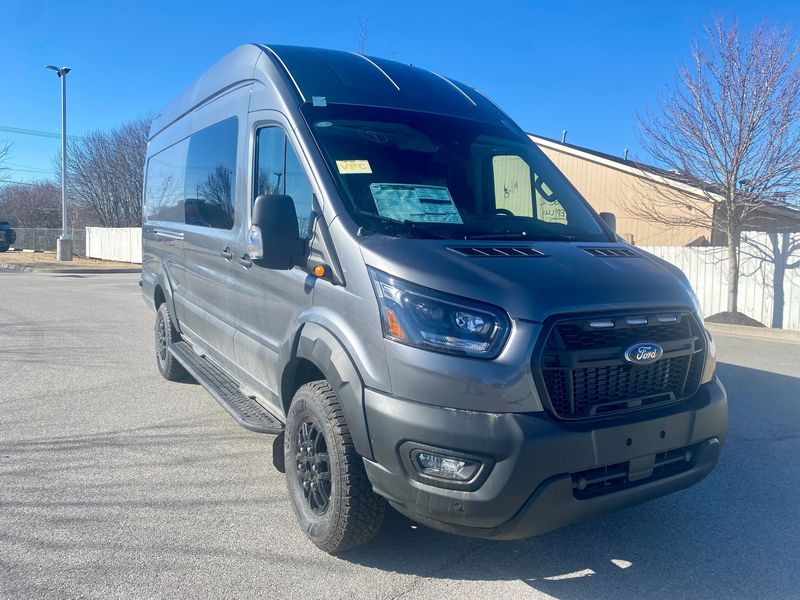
412,174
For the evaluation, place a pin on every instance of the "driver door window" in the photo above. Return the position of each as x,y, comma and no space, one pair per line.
279,171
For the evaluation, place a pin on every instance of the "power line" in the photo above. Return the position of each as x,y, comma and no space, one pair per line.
36,133
10,182
26,170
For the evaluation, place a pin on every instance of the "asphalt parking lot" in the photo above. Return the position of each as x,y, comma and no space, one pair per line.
115,483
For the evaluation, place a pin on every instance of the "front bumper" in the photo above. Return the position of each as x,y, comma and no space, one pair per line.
537,461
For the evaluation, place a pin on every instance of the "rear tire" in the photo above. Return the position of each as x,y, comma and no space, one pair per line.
4,247
330,492
165,336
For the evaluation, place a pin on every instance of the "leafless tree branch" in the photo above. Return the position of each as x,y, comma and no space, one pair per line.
363,30
105,173
5,154
33,204
731,128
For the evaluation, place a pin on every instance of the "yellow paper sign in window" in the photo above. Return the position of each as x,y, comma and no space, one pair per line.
353,167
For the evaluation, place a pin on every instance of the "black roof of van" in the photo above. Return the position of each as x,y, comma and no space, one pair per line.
349,78
338,77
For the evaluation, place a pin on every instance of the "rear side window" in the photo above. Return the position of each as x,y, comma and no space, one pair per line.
211,175
279,171
164,184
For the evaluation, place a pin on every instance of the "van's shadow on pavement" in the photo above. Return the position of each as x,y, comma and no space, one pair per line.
734,535
194,489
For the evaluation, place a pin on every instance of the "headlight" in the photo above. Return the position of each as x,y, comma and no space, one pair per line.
432,320
711,359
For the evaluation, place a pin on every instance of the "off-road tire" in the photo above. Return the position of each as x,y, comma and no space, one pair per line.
165,336
354,513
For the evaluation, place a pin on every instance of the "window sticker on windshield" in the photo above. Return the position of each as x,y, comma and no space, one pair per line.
353,167
420,203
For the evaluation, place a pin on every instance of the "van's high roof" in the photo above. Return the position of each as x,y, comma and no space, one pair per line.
338,77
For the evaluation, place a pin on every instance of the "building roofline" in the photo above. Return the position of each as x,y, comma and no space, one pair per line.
653,173
634,168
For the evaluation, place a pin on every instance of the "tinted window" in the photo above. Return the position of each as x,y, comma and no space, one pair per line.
211,175
165,184
299,188
269,164
279,171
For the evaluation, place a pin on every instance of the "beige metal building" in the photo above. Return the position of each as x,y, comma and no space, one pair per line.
609,182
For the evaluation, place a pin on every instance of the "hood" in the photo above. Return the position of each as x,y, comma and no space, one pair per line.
568,277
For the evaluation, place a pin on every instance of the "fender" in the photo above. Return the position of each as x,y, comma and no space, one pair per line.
321,347
149,285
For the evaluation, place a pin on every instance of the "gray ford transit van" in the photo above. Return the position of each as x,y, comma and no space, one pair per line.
373,263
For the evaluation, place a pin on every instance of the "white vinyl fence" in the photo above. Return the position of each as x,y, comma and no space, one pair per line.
707,271
114,243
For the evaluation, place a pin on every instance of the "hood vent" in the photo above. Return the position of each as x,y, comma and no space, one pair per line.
613,252
498,251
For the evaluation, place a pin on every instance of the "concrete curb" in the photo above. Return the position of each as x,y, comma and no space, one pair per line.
67,271
768,333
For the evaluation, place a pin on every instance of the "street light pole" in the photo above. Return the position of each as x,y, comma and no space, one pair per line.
64,243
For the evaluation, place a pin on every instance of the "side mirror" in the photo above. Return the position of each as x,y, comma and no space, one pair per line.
609,219
274,237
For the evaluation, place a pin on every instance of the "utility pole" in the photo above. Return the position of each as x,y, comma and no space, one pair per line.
64,243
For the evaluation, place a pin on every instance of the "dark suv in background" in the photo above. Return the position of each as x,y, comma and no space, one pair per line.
7,236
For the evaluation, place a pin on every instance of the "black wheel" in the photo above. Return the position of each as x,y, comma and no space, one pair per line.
4,247
331,495
166,335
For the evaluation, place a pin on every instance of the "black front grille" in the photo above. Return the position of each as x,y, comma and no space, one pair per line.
582,371
574,337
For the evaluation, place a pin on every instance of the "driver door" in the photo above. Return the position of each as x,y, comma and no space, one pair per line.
268,302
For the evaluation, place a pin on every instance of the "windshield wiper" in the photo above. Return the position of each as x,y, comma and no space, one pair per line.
413,225
520,235
422,228
498,235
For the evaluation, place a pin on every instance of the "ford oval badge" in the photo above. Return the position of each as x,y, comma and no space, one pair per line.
643,353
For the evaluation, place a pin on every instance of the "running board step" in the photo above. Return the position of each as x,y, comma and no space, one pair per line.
247,411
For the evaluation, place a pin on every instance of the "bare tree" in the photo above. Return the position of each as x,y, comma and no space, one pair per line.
33,204
105,173
779,253
5,154
363,30
731,128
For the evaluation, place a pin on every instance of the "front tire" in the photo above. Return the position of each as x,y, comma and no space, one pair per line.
330,492
165,336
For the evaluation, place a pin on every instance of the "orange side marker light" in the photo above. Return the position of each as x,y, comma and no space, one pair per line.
394,325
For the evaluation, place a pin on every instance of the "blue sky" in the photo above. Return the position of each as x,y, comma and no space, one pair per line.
582,66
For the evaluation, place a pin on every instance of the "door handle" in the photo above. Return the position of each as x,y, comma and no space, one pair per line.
245,261
226,254
168,234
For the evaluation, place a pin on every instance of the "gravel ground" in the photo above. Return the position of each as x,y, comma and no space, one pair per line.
117,484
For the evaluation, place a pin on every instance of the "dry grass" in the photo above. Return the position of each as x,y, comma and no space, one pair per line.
48,260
